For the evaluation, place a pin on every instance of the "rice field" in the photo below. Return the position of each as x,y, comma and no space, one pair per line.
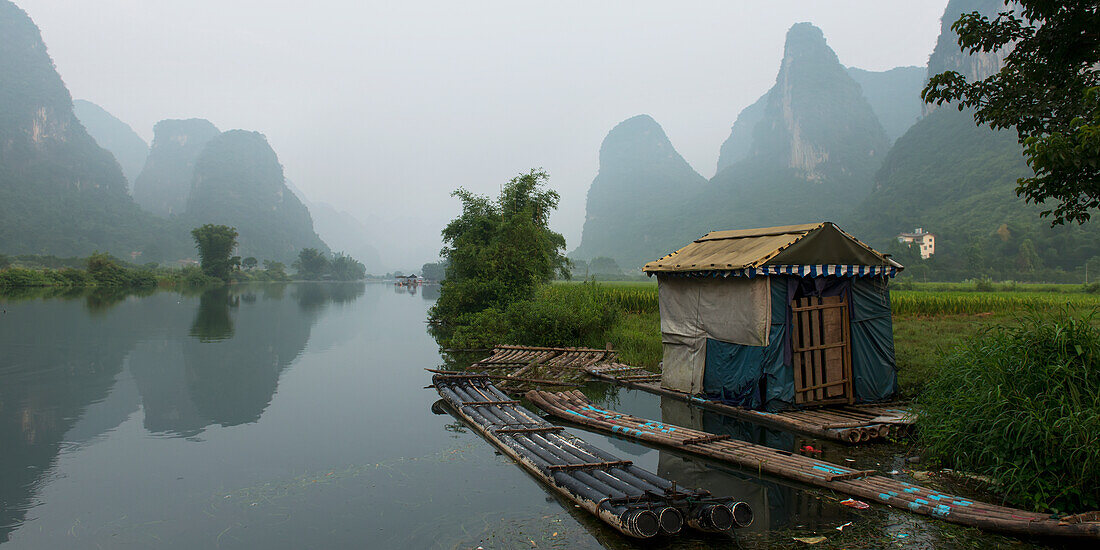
918,302
641,297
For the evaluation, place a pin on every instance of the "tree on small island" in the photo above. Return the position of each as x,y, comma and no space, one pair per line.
249,263
216,244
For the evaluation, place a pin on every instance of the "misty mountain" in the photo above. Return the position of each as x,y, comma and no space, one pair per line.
342,231
805,151
894,96
238,181
60,192
115,136
641,179
165,182
345,233
738,146
813,152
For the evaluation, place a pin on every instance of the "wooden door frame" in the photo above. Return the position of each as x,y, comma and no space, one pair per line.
811,348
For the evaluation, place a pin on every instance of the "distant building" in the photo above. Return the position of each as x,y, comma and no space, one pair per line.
926,241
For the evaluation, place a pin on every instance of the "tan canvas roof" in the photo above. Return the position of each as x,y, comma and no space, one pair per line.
807,244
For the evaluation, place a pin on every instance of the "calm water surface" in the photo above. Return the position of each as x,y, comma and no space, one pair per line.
296,417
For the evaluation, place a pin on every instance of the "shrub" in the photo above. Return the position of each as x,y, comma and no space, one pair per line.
1021,405
194,277
985,284
558,315
17,277
76,277
106,271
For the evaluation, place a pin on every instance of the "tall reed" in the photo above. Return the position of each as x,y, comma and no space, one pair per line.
1021,405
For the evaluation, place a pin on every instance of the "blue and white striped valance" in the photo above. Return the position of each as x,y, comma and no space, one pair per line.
796,270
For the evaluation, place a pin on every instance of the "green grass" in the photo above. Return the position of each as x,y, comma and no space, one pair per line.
1021,405
928,322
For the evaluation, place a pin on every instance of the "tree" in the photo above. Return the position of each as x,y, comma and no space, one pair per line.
603,265
275,271
434,271
311,264
1047,90
215,244
1028,260
346,268
499,251
249,263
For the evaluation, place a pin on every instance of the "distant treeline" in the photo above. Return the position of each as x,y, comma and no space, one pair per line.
101,270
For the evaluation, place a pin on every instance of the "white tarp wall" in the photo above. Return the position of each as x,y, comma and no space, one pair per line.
736,310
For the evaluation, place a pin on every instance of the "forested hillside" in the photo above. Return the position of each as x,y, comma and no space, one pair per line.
958,180
60,192
817,146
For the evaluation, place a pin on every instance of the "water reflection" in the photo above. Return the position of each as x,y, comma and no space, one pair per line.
430,291
73,370
212,322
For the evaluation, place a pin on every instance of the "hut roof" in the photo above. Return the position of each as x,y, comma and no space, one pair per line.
815,244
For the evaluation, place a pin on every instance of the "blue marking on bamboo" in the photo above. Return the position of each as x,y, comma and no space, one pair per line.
912,489
961,502
887,495
941,510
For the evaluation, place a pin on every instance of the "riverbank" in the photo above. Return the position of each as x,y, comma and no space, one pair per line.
101,271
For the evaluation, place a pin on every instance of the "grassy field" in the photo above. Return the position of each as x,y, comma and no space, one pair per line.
929,319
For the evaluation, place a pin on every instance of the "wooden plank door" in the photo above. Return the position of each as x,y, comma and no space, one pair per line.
821,353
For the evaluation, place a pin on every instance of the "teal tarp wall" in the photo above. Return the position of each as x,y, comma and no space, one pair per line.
760,377
751,376
873,364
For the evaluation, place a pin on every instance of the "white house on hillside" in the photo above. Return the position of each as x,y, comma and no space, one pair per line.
926,241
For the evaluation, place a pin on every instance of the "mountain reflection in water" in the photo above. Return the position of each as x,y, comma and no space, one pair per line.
191,364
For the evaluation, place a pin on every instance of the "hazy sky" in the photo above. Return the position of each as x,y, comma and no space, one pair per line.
383,108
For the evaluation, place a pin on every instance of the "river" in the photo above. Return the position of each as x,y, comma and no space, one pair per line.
296,416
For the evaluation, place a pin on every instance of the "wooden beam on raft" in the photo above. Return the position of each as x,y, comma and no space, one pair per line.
504,377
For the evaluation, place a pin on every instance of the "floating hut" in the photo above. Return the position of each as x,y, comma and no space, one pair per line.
777,317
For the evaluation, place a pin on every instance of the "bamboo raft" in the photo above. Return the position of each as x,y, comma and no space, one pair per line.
527,367
865,484
634,501
848,424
